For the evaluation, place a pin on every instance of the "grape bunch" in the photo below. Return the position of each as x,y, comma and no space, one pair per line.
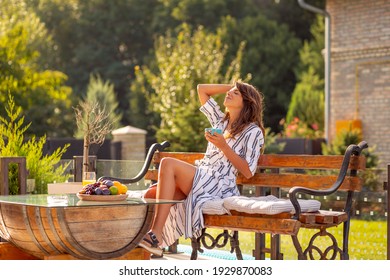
90,188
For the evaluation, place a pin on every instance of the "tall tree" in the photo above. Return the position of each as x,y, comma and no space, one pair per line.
100,37
270,54
308,98
290,13
102,93
40,92
111,38
182,63
208,13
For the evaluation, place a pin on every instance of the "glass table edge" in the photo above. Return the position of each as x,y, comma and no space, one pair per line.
71,200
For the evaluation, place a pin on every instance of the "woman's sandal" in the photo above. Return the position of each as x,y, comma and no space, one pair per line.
151,245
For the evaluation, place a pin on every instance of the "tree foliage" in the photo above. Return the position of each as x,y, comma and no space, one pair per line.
98,37
40,92
271,43
102,93
308,99
208,13
44,169
289,13
110,38
270,53
182,63
307,102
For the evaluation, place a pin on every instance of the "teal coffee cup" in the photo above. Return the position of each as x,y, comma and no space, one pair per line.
212,130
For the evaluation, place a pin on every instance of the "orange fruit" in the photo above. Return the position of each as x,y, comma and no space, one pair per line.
122,189
117,183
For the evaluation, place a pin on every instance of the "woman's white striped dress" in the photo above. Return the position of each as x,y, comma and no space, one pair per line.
215,176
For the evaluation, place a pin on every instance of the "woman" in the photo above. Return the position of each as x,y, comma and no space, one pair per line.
237,149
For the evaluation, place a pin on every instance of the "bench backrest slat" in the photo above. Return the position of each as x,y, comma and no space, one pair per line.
317,182
309,161
286,171
279,161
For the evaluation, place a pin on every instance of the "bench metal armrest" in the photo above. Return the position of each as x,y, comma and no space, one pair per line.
155,147
351,150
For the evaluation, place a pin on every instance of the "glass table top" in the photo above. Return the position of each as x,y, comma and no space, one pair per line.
71,200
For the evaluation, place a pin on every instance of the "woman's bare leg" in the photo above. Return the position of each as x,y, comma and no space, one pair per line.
174,182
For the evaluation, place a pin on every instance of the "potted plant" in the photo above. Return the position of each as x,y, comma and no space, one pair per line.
95,124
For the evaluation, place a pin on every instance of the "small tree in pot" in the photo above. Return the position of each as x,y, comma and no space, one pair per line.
95,124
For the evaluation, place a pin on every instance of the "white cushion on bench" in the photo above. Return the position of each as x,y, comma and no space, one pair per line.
214,207
269,205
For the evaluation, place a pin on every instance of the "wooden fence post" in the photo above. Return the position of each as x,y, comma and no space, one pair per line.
22,174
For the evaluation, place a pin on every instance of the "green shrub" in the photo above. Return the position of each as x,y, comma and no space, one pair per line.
343,139
271,145
44,169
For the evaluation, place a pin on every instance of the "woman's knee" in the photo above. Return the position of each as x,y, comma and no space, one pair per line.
173,164
167,165
166,162
182,172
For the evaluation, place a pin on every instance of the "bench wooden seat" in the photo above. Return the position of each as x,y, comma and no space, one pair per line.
266,223
308,175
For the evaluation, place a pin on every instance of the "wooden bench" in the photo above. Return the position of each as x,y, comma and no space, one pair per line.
311,175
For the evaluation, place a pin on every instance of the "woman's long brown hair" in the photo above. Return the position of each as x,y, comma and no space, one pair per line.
252,112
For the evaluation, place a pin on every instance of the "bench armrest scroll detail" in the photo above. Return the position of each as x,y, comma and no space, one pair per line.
149,157
352,150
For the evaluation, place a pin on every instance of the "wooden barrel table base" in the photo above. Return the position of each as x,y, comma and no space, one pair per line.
93,232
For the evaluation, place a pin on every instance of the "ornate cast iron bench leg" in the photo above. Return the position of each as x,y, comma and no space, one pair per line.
298,247
312,248
219,242
235,245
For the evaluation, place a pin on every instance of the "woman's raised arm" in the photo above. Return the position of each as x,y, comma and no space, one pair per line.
207,90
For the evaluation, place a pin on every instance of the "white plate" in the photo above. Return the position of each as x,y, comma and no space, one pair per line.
95,197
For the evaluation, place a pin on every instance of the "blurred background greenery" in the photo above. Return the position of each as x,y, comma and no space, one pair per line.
147,57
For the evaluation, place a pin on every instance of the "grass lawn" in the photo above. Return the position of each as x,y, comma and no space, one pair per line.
367,241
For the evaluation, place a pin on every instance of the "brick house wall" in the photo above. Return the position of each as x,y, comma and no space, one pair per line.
360,69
